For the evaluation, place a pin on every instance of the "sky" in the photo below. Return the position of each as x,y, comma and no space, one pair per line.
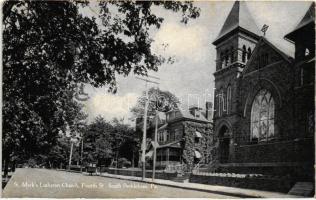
190,77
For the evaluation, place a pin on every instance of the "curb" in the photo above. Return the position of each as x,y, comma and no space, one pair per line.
233,194
190,188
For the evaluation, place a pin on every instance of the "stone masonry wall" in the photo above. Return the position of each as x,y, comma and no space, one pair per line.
206,144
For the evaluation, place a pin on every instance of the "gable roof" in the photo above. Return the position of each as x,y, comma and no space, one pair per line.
238,17
264,40
186,114
308,18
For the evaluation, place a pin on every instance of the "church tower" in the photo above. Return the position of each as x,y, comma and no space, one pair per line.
303,37
234,45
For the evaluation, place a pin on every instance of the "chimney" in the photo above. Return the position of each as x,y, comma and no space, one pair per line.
208,108
195,111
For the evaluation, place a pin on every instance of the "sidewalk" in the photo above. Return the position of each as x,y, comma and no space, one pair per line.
237,192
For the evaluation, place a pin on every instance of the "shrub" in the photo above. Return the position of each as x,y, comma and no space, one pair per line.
123,162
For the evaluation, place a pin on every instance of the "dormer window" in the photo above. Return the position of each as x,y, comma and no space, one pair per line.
197,113
171,116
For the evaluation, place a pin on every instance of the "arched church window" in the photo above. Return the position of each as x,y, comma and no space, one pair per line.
222,60
262,117
232,59
244,52
249,53
220,102
229,98
226,58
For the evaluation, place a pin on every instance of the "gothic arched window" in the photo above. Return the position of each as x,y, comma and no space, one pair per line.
226,58
248,53
220,102
232,55
244,52
229,98
262,117
222,59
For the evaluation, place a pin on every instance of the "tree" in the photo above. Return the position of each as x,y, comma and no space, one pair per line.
98,142
50,48
103,141
122,135
158,100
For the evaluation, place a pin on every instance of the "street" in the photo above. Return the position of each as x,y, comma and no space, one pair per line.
44,183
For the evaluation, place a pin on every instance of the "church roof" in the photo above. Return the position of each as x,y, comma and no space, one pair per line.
309,17
284,55
239,17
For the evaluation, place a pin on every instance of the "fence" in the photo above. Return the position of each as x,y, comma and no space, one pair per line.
250,181
138,173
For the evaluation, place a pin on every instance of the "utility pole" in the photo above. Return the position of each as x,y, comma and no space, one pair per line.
155,147
70,156
81,153
143,160
144,136
81,96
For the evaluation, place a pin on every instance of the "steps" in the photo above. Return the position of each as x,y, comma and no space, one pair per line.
181,178
305,189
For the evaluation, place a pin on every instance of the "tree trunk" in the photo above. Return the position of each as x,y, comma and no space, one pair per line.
13,166
133,163
116,158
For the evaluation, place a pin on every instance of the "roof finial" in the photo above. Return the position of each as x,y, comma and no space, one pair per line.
264,29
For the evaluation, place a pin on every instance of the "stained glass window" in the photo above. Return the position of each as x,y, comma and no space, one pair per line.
262,117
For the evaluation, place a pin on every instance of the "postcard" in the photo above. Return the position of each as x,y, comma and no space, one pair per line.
158,99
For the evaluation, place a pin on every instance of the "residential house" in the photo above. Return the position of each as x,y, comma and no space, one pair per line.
185,138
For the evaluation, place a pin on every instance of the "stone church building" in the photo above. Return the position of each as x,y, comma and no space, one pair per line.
264,99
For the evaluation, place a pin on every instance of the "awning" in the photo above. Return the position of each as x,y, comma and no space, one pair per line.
197,154
163,127
198,134
149,153
154,144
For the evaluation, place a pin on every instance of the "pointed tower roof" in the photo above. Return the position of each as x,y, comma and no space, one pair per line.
238,18
309,18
